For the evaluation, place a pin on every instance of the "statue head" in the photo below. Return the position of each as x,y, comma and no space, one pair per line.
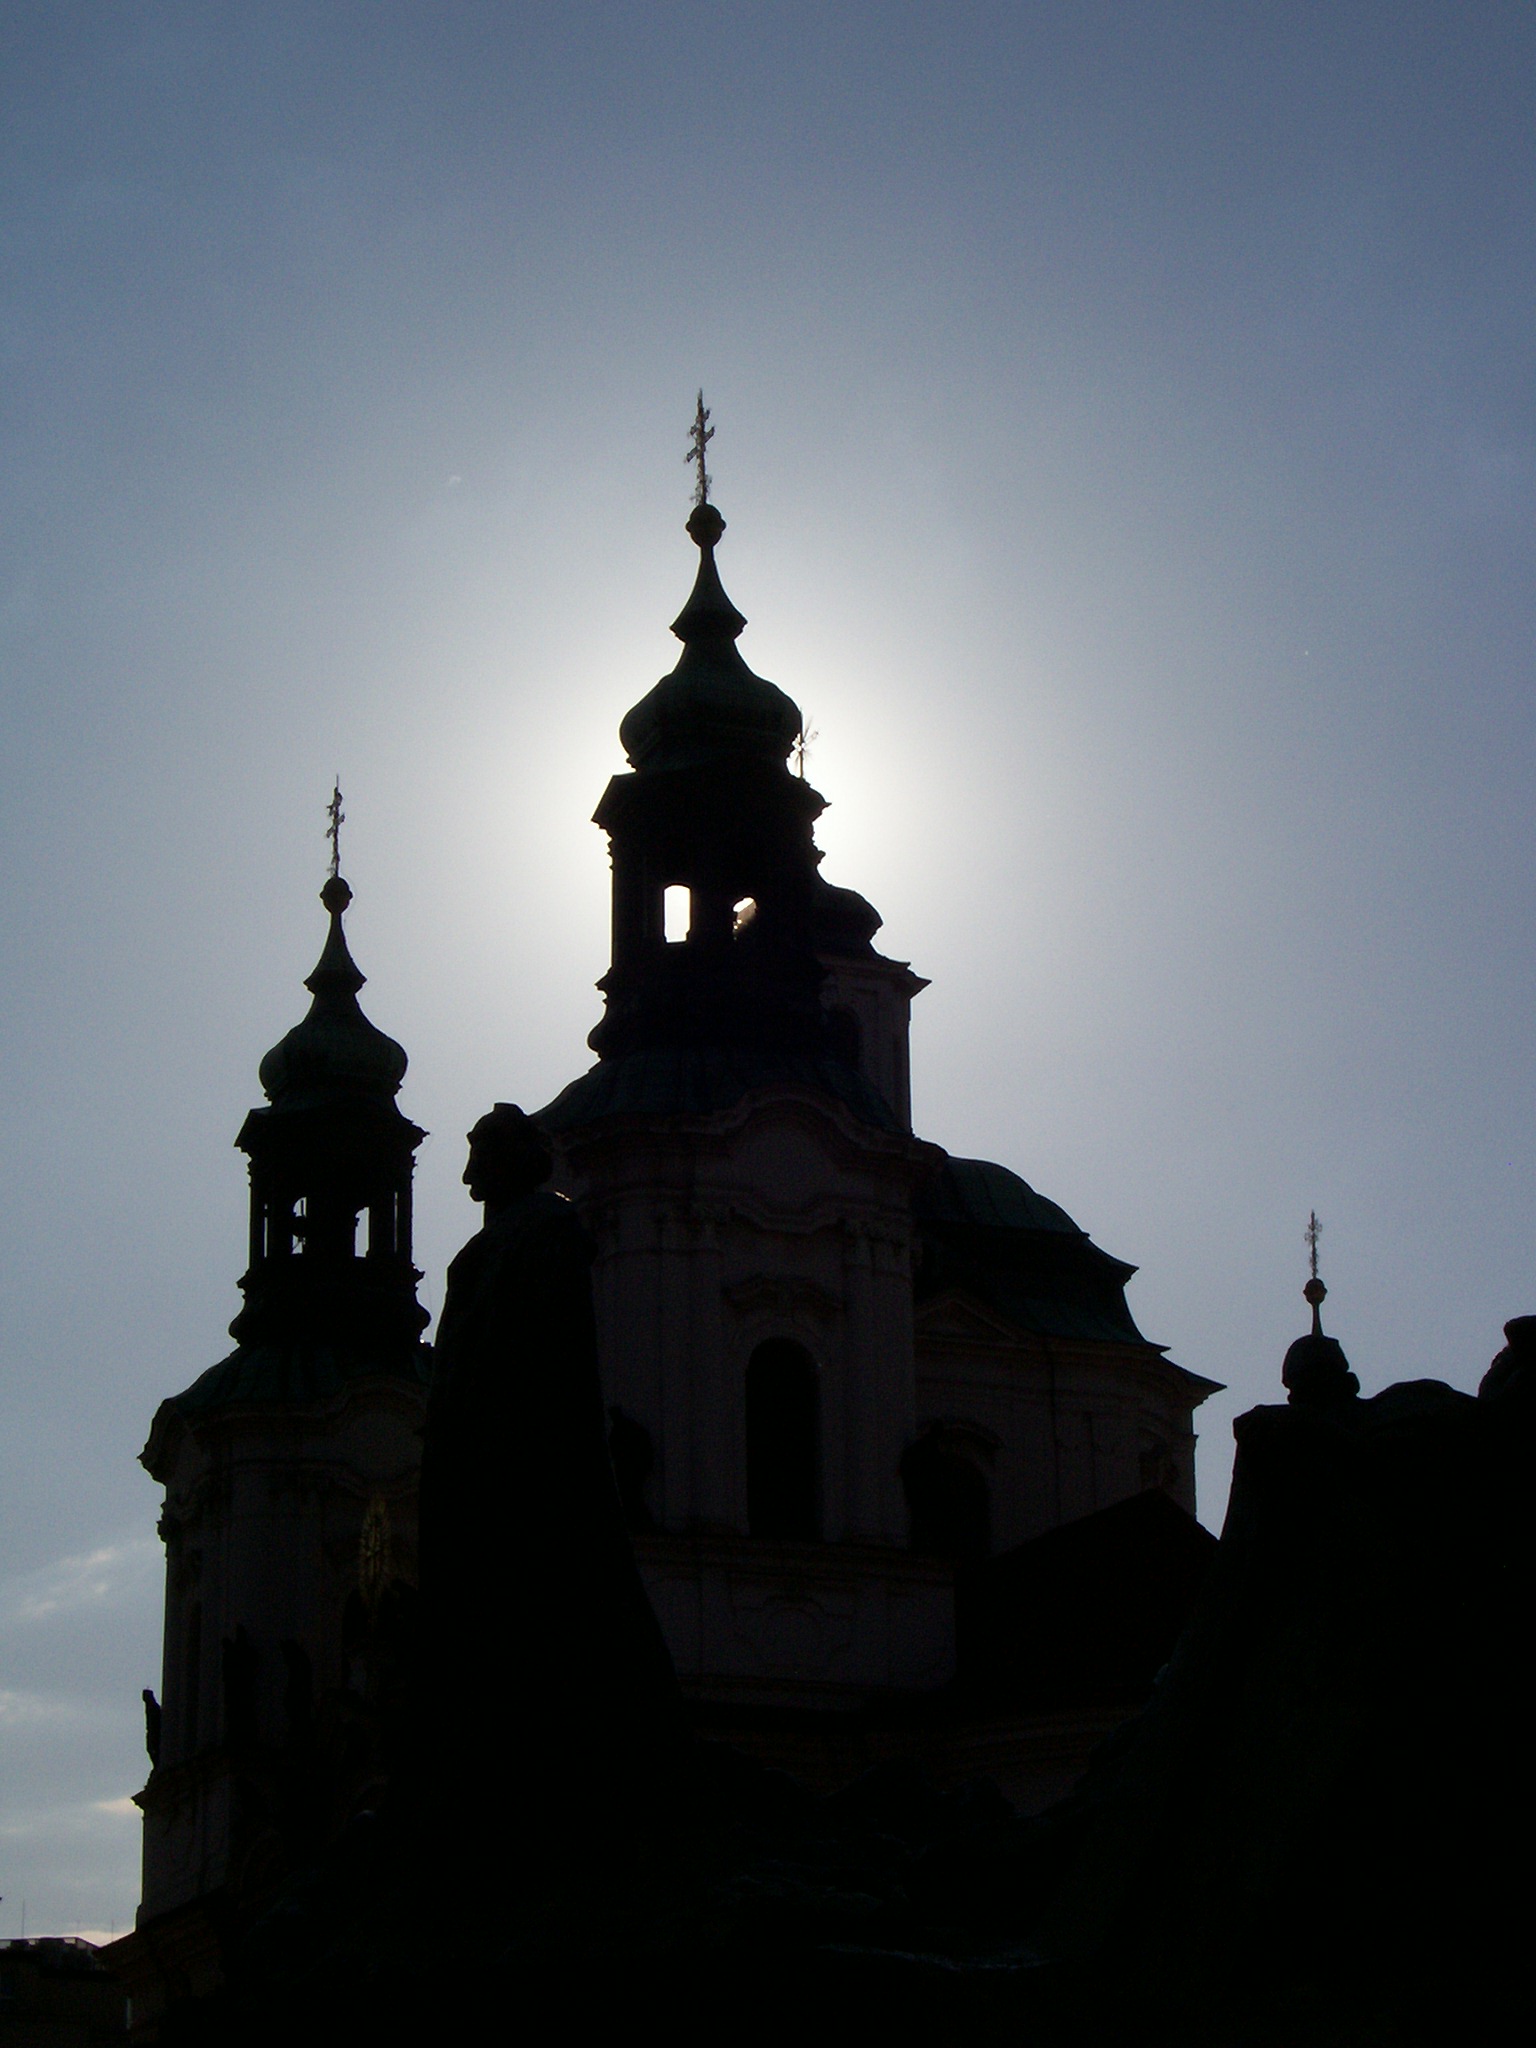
1514,1370
509,1156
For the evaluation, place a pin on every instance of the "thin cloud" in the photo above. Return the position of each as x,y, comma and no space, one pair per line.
33,1709
96,1578
100,1818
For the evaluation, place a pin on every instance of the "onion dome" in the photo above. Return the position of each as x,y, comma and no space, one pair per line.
711,705
987,1234
844,921
335,1051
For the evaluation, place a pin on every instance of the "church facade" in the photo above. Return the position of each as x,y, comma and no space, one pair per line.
841,1362
847,1374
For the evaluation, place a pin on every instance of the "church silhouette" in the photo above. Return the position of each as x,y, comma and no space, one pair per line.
859,1391
786,1514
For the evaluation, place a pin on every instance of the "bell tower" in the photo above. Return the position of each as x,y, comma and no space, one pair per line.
331,1160
712,819
743,1154
290,1472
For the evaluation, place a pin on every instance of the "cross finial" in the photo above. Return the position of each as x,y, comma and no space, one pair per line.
337,817
700,434
1315,1293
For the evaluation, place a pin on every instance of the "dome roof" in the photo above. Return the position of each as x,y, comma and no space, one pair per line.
988,1234
1315,1369
335,1049
980,1192
711,704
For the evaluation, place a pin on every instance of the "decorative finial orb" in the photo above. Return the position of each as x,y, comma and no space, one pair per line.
705,525
335,895
1315,1293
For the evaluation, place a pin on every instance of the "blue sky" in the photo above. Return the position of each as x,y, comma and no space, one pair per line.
1126,432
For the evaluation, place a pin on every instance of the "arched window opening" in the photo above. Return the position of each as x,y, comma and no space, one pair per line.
676,913
742,914
948,1501
783,1442
845,1036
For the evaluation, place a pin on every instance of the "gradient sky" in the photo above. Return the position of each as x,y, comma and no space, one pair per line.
1125,425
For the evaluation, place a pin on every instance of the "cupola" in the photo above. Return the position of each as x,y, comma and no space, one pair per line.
331,1168
715,889
335,1051
1316,1373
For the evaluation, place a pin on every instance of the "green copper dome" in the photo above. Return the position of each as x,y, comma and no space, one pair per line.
711,705
335,1050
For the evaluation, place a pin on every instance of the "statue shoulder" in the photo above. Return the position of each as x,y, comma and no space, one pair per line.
556,1218
545,1225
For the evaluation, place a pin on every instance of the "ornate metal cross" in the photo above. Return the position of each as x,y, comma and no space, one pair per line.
700,434
1313,1232
337,817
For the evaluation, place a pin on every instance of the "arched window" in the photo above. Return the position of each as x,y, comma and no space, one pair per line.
676,913
783,1442
845,1035
948,1500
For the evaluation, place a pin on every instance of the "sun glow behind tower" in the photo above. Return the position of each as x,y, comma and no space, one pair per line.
1138,505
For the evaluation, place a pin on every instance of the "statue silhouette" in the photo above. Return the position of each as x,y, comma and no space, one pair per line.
542,1654
152,1725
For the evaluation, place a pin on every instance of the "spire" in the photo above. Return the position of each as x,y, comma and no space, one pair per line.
709,619
335,1048
1316,1373
709,613
336,976
711,707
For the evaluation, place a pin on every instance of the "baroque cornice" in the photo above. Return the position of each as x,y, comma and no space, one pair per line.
784,1294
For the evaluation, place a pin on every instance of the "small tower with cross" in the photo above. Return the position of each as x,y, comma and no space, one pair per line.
1316,1373
290,1467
